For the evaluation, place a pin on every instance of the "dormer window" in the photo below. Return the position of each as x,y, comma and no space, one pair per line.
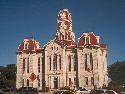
87,40
26,46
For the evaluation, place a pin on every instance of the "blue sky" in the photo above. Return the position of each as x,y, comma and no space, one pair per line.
25,18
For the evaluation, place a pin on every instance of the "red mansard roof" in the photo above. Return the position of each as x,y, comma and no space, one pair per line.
32,45
93,40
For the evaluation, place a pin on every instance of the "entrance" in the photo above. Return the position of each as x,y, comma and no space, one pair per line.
55,83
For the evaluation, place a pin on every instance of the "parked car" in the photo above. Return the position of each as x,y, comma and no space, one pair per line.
63,92
102,91
110,92
26,90
82,91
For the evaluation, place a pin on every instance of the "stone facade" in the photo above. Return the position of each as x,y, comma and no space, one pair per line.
61,62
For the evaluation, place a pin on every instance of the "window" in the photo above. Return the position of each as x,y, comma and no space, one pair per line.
86,80
60,61
87,40
26,46
70,83
27,65
27,82
24,64
52,48
69,59
66,35
50,62
85,61
55,62
91,61
38,80
92,81
23,83
39,64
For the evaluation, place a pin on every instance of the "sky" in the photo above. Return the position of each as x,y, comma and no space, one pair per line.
20,19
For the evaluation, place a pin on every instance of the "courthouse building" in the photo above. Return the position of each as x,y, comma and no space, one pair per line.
62,61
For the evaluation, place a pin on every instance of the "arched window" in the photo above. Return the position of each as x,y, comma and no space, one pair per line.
86,61
91,61
69,59
55,62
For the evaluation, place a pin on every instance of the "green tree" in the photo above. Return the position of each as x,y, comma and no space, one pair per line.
116,72
8,76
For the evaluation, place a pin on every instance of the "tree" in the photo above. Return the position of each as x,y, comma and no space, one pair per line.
8,76
116,72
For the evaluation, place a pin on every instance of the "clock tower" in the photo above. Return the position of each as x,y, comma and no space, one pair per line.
64,28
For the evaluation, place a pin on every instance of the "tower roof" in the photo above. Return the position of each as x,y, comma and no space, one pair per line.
29,45
93,40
